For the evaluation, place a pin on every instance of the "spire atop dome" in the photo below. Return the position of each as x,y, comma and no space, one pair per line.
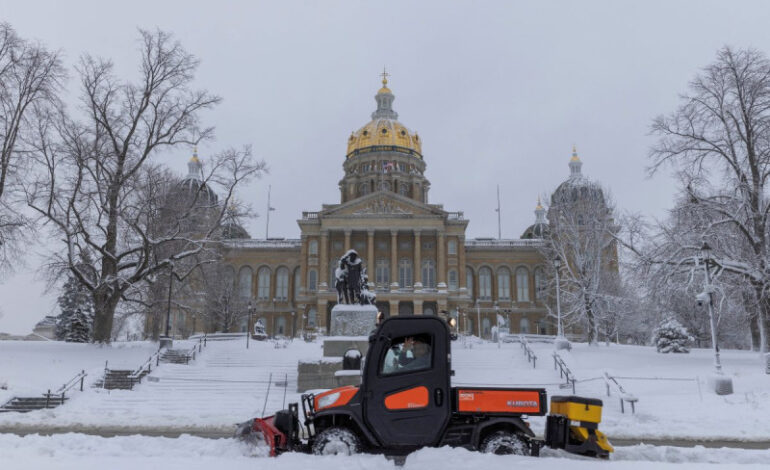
194,166
384,99
539,213
575,165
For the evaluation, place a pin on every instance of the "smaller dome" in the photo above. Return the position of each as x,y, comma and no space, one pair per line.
233,231
535,231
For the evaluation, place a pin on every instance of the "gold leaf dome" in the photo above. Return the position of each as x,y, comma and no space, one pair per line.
384,132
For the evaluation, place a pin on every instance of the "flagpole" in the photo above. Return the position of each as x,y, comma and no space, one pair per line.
499,230
267,221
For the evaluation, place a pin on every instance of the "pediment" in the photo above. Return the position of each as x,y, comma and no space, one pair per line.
383,203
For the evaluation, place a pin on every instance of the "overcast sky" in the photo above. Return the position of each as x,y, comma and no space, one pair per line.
498,91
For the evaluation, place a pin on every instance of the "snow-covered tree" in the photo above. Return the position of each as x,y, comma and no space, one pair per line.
671,336
75,321
97,167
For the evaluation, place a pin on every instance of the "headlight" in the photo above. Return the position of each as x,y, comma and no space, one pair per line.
328,400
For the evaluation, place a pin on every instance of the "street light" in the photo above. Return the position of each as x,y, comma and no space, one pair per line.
248,323
722,385
478,318
560,342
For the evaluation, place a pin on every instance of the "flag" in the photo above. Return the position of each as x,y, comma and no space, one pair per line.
270,208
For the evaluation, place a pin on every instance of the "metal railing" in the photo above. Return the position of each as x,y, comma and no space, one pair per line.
531,356
611,382
78,379
564,371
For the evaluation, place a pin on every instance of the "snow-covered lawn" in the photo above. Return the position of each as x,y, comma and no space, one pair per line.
228,384
81,452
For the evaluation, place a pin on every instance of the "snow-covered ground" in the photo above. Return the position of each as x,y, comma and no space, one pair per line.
82,452
228,384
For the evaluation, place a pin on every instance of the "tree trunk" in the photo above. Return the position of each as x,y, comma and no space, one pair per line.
752,313
592,326
105,303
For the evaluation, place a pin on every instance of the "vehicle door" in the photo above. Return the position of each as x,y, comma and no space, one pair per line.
406,382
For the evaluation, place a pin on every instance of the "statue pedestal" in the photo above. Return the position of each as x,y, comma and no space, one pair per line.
353,320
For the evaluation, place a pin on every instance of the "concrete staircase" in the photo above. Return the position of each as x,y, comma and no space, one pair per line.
25,404
119,379
177,356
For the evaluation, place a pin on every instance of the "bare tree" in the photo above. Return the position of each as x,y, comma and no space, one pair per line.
718,140
30,78
581,236
224,306
94,194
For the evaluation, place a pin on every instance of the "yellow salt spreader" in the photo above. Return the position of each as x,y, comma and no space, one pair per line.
573,425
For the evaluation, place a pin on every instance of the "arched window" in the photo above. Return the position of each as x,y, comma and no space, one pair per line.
452,279
540,284
429,273
452,247
522,284
524,326
312,280
469,281
282,283
382,273
280,326
503,284
263,283
363,189
403,189
485,283
385,185
405,272
312,247
311,318
428,311
244,282
297,282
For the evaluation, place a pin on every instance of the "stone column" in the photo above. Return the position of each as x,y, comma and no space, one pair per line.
323,263
303,255
394,259
461,264
370,263
417,262
347,239
393,308
417,307
441,268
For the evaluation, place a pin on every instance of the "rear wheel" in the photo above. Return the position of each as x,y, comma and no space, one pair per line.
336,441
504,443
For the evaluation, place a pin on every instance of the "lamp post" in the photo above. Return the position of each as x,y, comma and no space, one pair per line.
722,385
497,322
560,342
248,323
293,325
478,318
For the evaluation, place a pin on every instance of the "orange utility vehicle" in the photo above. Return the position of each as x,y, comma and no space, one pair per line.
406,402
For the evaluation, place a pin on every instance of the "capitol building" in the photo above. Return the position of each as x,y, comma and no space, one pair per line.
417,256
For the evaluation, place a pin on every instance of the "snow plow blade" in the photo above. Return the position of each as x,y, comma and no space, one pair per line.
573,426
280,431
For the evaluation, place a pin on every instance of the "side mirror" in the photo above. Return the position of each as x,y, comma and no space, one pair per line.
380,318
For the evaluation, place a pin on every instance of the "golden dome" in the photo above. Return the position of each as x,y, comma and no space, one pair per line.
384,130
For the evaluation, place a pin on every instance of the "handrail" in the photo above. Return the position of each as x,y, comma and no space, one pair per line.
611,381
531,356
72,382
146,365
564,371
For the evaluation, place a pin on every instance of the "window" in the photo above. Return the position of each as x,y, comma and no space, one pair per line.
405,245
405,272
524,326
452,279
485,284
407,354
429,273
282,283
486,327
540,284
312,280
312,247
403,189
363,189
263,283
522,284
452,247
469,280
311,318
244,282
503,284
384,186
297,282
382,272
427,245
280,327
428,311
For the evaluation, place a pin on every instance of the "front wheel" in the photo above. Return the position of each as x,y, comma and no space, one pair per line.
336,441
504,443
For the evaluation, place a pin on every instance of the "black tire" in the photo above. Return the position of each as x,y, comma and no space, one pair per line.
504,443
336,441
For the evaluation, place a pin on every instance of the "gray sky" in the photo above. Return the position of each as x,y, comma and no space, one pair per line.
498,91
